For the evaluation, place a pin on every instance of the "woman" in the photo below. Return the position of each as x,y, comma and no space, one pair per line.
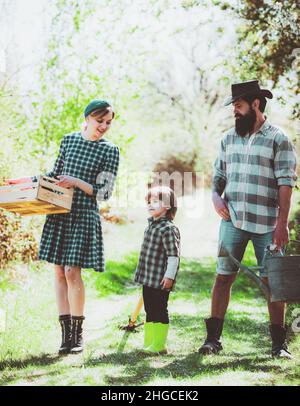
88,163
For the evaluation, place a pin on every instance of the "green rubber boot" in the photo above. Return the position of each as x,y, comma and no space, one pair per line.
160,334
148,334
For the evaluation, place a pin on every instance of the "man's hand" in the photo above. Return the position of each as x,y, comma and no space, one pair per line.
281,235
220,206
167,283
17,181
66,181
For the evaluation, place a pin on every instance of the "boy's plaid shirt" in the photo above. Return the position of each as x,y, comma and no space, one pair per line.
161,240
250,170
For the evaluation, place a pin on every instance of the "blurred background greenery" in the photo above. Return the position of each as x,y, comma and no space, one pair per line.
166,66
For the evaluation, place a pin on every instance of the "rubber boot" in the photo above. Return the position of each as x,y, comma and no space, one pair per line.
279,343
160,334
66,335
212,344
148,334
77,340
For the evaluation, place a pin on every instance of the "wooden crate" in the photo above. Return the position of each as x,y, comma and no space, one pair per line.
41,197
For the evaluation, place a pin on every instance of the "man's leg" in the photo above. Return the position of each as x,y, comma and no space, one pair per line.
276,309
221,295
235,241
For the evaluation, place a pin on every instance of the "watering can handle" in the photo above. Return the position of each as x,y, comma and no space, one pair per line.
258,281
297,241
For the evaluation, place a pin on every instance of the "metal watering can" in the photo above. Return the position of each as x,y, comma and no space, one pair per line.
283,274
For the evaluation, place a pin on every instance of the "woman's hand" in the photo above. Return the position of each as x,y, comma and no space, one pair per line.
17,181
167,283
66,181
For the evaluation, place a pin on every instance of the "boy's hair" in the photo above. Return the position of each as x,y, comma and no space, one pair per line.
166,195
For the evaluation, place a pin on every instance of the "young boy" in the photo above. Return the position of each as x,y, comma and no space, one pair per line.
158,266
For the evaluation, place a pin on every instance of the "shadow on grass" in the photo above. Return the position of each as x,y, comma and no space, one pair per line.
13,367
42,360
138,368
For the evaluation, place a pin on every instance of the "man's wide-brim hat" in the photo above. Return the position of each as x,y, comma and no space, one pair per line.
251,88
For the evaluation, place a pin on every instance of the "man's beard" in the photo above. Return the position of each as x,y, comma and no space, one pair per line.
245,124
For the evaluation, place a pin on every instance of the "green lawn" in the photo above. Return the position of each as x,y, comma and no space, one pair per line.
28,347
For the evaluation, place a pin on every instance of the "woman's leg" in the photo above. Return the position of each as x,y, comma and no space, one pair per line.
61,290
76,294
76,300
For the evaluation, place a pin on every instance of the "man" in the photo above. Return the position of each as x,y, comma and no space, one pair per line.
255,170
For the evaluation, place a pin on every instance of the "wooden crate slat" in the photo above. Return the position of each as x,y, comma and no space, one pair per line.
42,197
46,195
18,195
20,186
54,187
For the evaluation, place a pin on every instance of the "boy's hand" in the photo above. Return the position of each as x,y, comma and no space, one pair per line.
17,181
167,283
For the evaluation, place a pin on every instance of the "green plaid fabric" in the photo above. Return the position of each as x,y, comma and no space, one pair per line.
161,240
249,170
75,238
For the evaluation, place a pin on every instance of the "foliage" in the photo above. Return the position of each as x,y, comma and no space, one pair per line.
294,226
269,43
16,244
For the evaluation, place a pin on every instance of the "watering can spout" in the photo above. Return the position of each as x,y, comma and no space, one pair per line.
223,252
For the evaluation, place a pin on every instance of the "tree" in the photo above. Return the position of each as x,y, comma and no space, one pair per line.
269,43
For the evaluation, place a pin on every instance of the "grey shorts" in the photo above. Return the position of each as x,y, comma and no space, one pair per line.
235,241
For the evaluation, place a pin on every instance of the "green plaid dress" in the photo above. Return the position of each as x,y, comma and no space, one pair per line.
75,238
161,240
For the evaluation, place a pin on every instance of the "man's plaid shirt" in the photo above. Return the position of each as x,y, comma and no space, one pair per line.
249,170
161,240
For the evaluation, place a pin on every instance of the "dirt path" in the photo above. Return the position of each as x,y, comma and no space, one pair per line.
196,219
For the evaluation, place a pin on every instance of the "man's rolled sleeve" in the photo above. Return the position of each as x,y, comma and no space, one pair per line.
285,162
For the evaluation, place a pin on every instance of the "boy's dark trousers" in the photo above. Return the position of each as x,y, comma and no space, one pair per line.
156,304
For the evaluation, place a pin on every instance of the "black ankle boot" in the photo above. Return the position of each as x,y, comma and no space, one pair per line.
65,323
77,341
212,344
279,343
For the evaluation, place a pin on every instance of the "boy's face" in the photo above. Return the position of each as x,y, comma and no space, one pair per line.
156,207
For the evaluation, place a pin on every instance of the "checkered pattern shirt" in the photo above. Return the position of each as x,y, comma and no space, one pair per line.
95,162
161,240
249,170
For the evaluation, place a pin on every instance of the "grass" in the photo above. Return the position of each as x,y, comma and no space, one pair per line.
112,357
